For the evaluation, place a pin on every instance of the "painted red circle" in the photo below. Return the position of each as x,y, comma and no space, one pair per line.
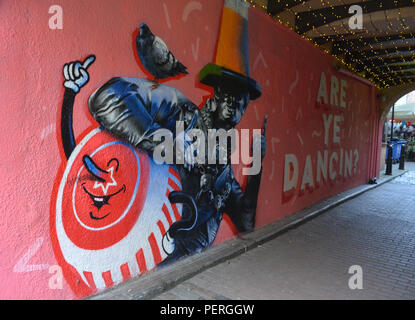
95,214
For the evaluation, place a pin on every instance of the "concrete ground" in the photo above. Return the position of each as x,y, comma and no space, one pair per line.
374,231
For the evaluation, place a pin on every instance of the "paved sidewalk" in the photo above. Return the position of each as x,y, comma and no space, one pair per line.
305,255
375,231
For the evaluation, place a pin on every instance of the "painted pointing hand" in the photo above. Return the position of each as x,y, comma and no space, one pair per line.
75,73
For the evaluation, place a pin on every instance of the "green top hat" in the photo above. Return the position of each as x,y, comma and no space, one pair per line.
214,75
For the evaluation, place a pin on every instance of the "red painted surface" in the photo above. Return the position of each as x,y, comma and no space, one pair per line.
76,205
288,68
141,261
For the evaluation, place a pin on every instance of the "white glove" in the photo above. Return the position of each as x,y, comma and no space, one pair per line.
76,75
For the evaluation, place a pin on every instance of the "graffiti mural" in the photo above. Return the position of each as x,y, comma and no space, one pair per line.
118,213
146,131
112,207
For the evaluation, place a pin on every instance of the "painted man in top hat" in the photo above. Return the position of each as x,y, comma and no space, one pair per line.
134,109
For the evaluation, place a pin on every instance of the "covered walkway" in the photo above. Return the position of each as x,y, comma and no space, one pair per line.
375,231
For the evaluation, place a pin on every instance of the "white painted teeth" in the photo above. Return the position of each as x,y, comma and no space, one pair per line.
98,199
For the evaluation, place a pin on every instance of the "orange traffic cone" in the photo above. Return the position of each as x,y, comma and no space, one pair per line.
231,66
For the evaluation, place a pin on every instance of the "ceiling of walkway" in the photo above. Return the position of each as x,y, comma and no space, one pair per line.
382,50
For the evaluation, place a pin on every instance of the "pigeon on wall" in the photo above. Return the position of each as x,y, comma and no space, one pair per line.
156,56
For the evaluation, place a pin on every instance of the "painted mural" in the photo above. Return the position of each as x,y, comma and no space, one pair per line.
124,126
113,198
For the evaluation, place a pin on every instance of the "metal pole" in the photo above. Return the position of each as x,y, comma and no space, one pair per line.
389,158
402,158
393,118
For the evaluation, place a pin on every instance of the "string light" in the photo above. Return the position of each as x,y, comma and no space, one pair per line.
365,60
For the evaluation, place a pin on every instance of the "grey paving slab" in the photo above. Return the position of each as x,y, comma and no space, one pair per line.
375,231
300,256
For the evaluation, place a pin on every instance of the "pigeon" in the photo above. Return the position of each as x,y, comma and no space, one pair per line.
155,56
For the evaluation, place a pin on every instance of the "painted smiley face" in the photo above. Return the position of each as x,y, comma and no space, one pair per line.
105,191
124,237
102,190
102,199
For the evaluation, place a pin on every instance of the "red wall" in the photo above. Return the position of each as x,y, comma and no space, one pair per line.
288,68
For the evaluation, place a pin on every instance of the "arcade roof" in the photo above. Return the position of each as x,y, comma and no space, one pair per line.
383,51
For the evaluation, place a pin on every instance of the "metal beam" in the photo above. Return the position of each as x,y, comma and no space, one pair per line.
401,56
401,38
275,7
394,48
361,42
397,65
379,62
405,80
384,52
308,20
405,71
